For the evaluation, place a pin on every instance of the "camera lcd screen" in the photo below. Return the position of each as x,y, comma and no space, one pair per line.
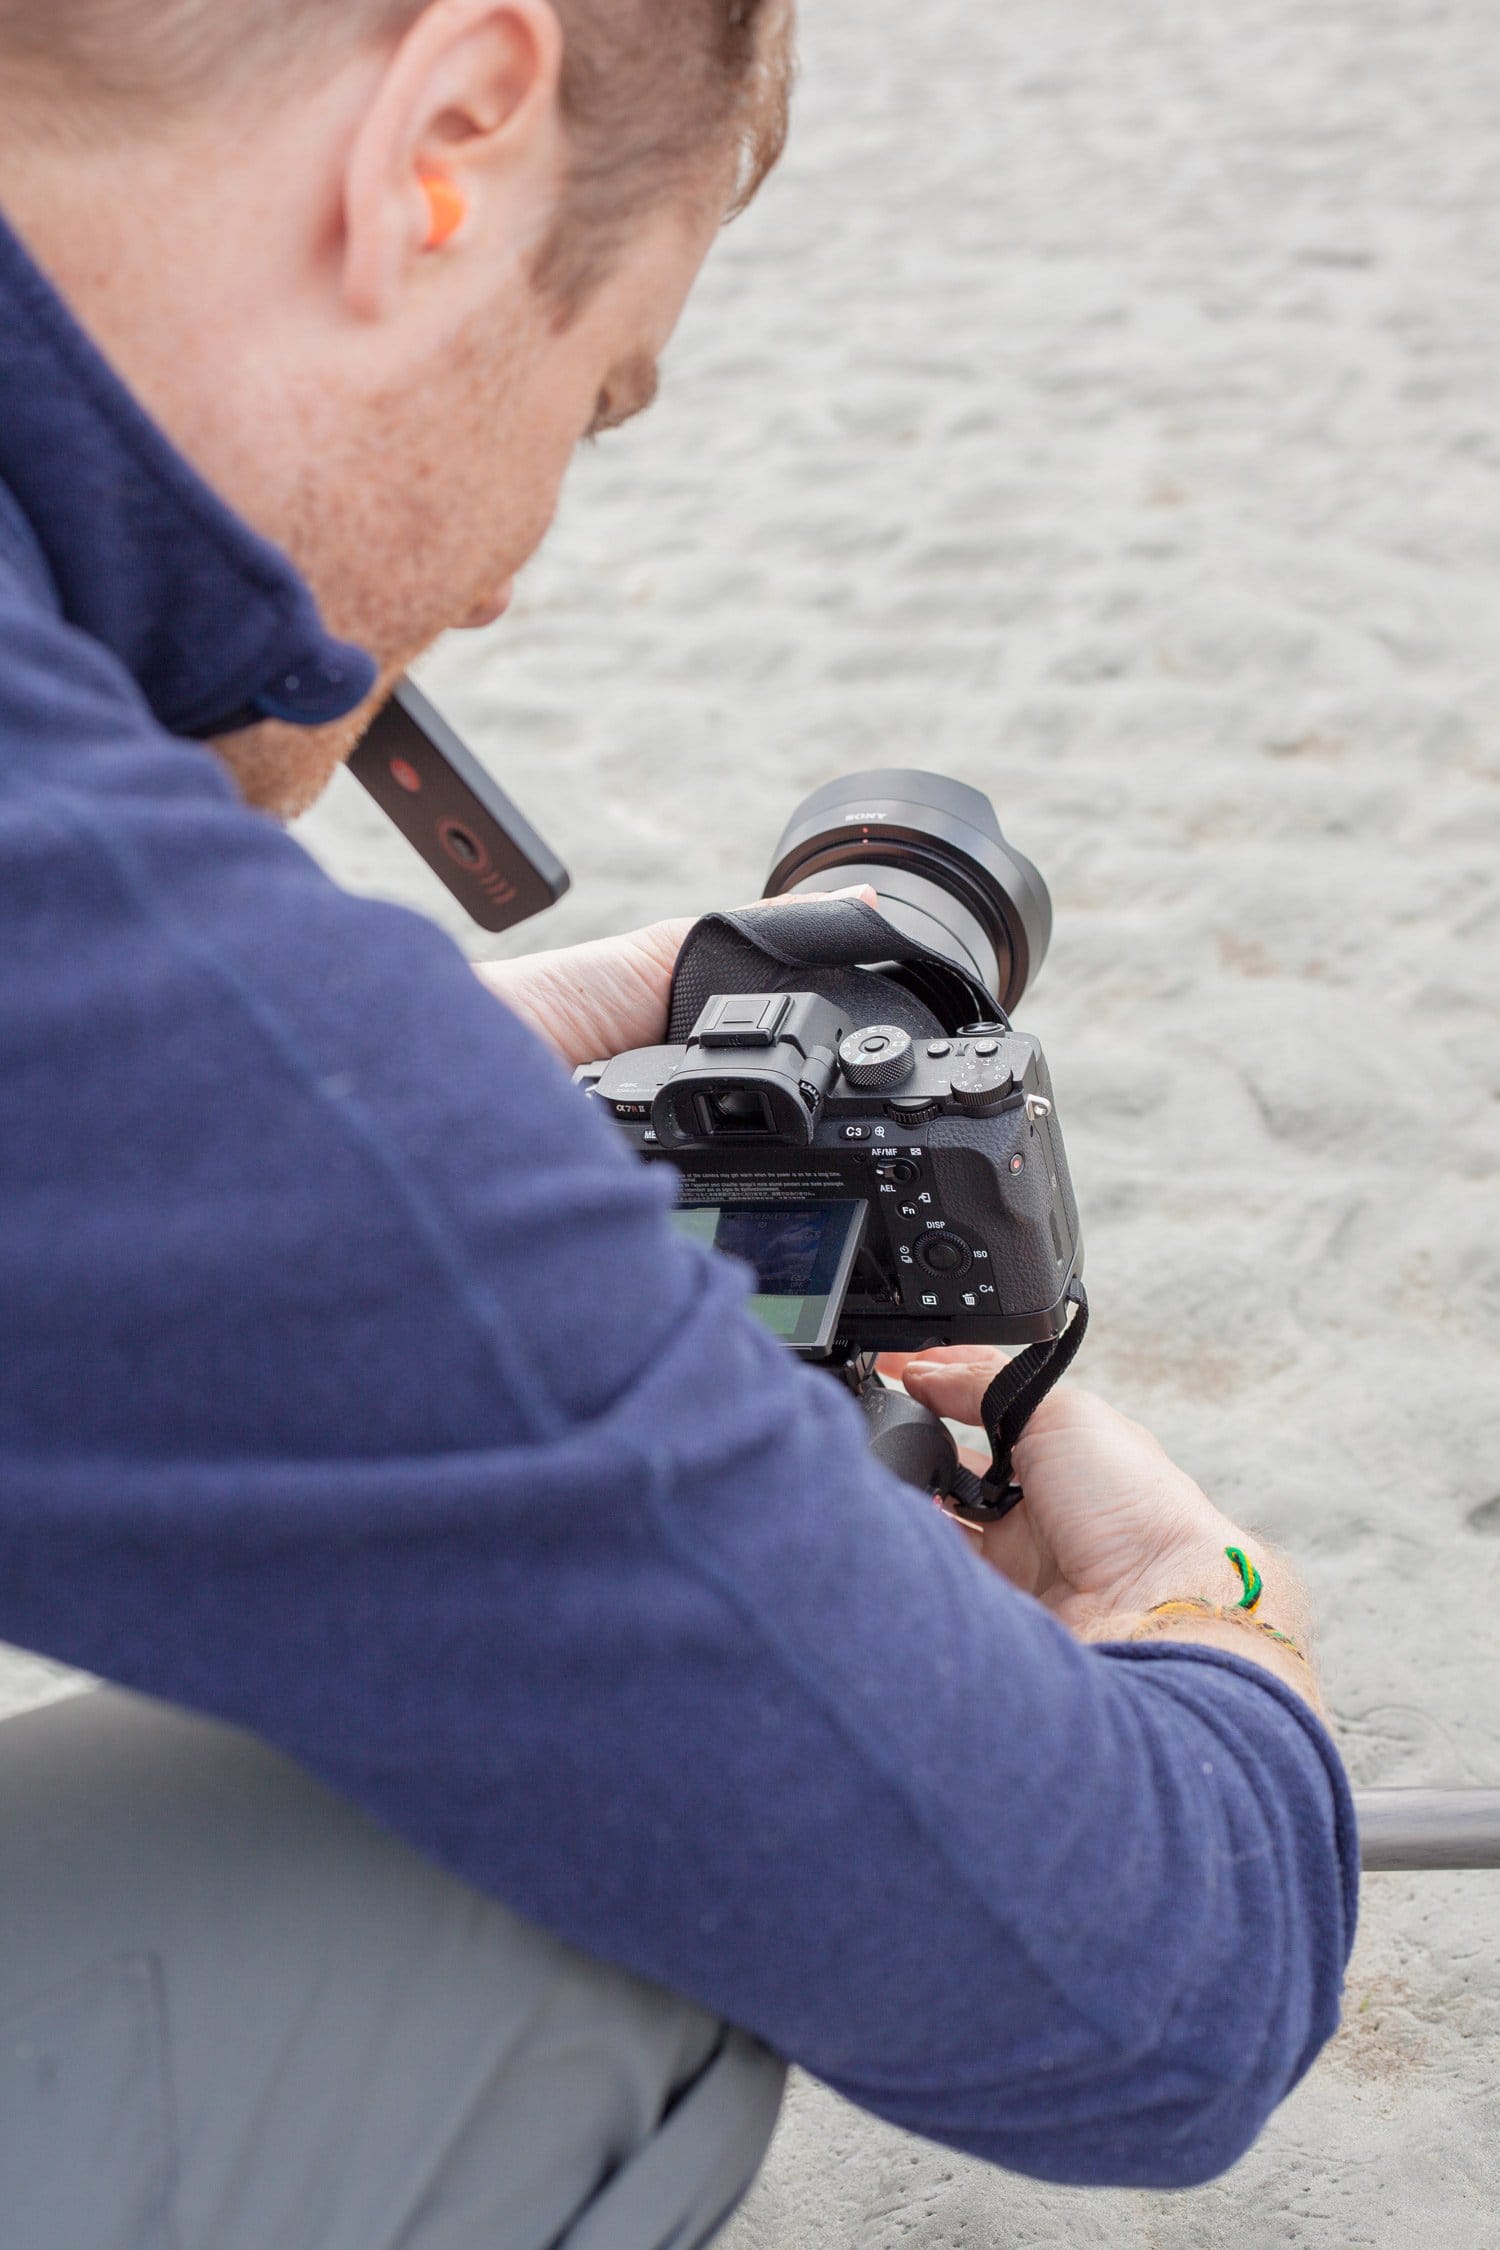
801,1253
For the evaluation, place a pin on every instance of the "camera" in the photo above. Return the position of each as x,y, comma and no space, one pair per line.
851,1111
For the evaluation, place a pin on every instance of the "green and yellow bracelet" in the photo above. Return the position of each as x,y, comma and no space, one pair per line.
1252,1586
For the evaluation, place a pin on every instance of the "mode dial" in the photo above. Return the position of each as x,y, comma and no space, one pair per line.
878,1056
981,1083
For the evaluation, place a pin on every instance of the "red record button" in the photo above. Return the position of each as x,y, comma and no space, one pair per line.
405,775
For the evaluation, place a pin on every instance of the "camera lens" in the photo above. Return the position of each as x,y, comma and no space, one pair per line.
932,851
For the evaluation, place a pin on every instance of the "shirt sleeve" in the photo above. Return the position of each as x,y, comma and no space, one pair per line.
354,1389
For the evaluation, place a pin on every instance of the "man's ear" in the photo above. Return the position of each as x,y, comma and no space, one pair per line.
470,99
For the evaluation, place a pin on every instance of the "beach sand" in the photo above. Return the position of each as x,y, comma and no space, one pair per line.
1101,406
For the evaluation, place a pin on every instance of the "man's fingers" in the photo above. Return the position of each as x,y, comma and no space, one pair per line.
976,1359
952,1381
952,1386
806,898
943,1355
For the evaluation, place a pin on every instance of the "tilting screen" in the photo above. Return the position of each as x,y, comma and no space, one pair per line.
801,1254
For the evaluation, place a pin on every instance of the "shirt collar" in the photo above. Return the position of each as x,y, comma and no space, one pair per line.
212,621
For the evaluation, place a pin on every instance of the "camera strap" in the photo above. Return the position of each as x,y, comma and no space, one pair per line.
766,948
1006,1408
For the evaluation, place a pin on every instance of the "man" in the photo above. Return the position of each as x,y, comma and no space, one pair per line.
354,1389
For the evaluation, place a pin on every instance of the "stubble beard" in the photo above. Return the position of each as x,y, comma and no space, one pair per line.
381,524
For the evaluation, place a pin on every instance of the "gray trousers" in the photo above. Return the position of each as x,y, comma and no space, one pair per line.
235,2016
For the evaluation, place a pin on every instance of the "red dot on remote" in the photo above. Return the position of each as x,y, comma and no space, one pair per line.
405,775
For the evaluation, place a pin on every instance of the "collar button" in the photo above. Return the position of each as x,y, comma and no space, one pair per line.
313,689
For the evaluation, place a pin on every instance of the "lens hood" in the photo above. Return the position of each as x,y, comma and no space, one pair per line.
932,850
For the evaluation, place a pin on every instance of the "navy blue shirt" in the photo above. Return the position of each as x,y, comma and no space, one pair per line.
355,1389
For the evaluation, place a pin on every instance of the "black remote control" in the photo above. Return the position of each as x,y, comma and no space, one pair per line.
478,844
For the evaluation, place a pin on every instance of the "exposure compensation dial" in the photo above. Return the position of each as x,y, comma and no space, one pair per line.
981,1082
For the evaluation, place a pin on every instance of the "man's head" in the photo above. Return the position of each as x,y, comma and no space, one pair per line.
232,198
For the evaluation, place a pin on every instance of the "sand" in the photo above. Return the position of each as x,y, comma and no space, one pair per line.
1101,407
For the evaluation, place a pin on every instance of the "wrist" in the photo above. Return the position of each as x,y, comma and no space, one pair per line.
1204,1567
1254,1606
595,999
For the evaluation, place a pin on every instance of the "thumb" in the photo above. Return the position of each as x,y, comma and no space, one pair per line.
865,892
953,1387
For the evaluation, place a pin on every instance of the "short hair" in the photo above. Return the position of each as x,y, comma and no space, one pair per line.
653,92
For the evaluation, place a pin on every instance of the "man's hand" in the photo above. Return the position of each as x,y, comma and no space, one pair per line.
596,1000
1110,1526
601,999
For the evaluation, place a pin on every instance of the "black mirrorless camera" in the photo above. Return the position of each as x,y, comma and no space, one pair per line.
852,1113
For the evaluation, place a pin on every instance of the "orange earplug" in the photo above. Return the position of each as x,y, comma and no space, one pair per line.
446,208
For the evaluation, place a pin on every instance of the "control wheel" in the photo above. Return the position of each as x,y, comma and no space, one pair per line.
944,1253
